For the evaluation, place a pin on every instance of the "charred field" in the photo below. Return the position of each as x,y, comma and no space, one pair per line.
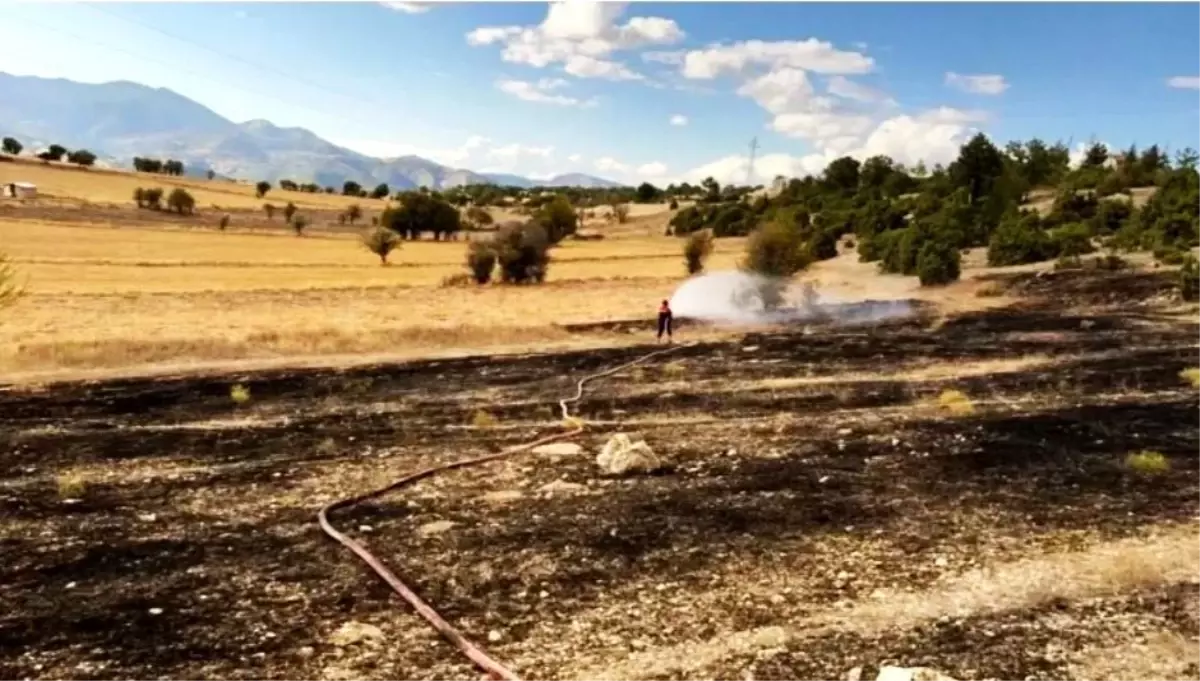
953,493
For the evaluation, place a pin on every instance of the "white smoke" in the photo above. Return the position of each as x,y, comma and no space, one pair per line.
736,298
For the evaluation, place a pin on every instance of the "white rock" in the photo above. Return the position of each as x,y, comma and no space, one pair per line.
562,487
503,496
771,637
71,585
750,348
147,517
941,562
911,674
854,674
494,636
356,632
365,528
435,528
621,455
559,449
156,611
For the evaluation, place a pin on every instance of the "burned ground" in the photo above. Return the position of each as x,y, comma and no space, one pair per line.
156,528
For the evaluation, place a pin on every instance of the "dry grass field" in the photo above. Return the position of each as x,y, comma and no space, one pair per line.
116,288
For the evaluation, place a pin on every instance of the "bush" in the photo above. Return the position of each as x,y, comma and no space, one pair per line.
299,222
620,212
139,197
153,198
1170,256
224,223
1018,240
557,218
381,241
1072,240
777,251
82,157
11,146
478,217
288,212
181,201
269,210
674,205
1148,463
481,260
458,280
938,264
523,252
261,189
696,250
353,212
1189,279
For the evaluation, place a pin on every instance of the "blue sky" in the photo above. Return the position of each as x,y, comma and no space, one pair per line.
658,91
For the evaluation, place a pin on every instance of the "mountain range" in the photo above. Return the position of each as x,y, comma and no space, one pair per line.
120,120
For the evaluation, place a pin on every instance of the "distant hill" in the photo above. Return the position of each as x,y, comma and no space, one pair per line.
120,120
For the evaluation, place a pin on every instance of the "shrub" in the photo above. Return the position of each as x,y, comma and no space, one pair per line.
457,280
81,157
674,205
299,222
289,211
181,201
224,223
1169,255
478,217
1147,463
1018,240
696,250
776,251
261,189
557,218
1189,279
139,197
481,260
353,212
381,241
1072,240
11,146
239,393
956,402
938,264
1191,376
269,210
620,212
153,198
523,252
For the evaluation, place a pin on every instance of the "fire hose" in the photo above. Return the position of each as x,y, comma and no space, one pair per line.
481,659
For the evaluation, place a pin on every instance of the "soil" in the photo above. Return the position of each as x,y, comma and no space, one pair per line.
156,528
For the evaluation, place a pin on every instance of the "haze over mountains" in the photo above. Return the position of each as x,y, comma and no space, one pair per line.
120,120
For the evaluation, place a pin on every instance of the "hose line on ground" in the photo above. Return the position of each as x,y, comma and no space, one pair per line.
473,652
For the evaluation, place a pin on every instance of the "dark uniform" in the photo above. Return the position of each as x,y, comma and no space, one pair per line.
664,320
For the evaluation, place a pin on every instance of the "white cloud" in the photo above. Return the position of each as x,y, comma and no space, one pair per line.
810,55
541,91
583,66
408,7
840,86
674,58
514,151
1184,82
575,158
610,164
679,119
981,84
580,35
655,169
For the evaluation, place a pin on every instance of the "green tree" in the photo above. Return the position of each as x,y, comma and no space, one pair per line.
289,212
351,188
261,189
380,191
353,213
153,198
523,252
557,218
776,251
841,175
56,152
11,146
381,241
938,263
478,217
81,157
422,212
977,168
210,174
647,193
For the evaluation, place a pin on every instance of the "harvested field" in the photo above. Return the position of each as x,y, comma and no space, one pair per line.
824,508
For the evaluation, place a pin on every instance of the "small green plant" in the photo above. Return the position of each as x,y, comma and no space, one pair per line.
482,419
1191,376
239,393
955,402
1147,462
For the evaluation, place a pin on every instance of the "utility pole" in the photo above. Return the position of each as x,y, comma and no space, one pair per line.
750,169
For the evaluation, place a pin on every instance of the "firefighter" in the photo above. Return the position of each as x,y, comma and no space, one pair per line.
664,320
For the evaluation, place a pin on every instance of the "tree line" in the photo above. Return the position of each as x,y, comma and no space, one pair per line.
916,222
55,152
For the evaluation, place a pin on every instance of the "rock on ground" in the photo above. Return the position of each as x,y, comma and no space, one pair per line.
356,632
435,528
559,449
563,487
911,674
622,455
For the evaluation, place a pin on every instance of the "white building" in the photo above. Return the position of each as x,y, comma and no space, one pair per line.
20,190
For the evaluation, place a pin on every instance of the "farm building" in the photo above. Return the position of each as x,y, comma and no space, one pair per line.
20,190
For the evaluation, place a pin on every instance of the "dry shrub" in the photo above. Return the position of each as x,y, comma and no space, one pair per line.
381,241
696,250
481,260
459,280
239,393
955,402
70,486
674,369
482,419
1147,462
1192,376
